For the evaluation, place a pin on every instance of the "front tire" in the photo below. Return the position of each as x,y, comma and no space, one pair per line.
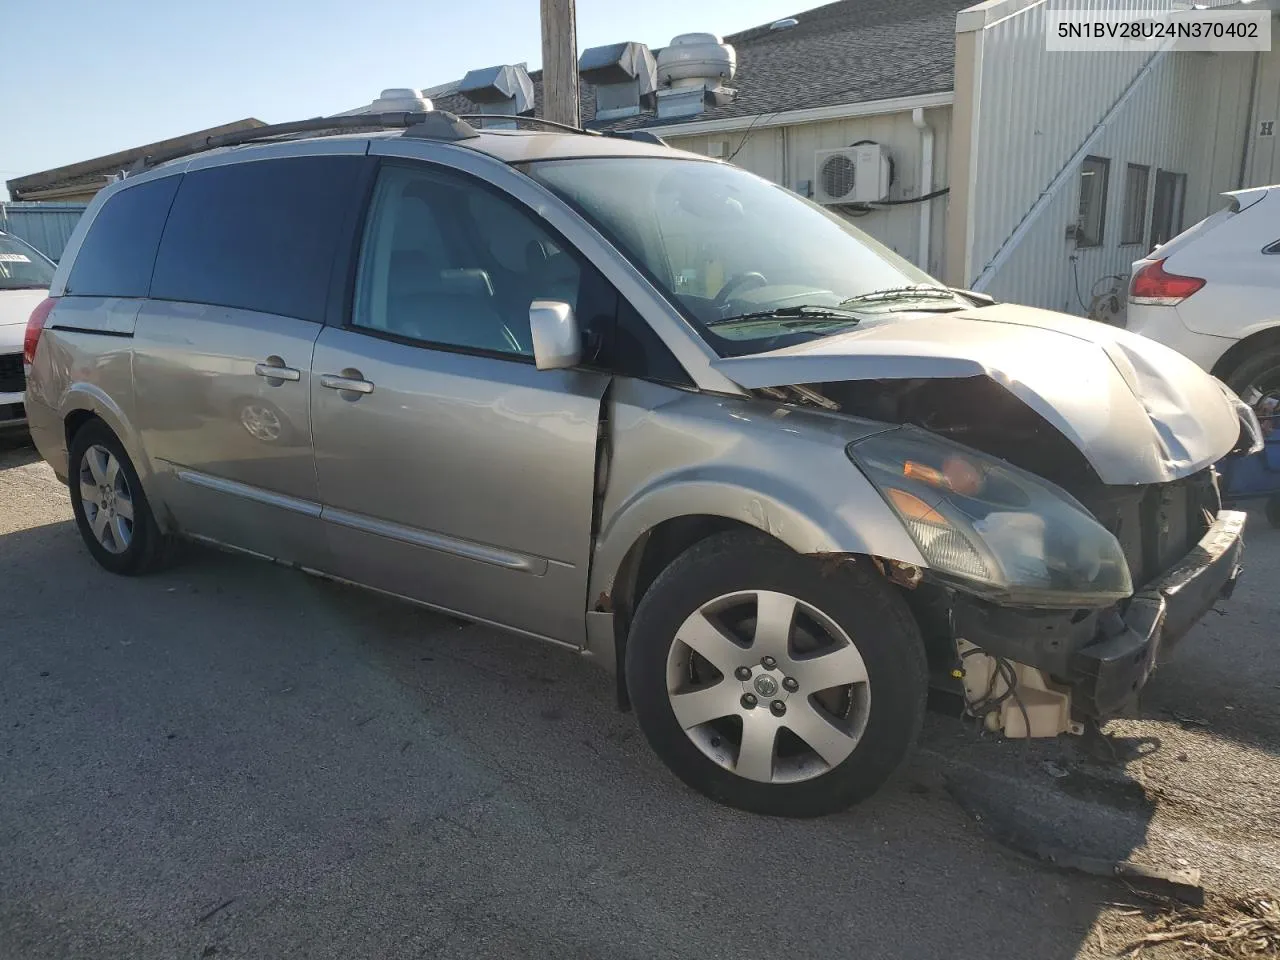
110,507
773,683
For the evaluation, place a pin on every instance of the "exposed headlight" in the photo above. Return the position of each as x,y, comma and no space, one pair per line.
990,528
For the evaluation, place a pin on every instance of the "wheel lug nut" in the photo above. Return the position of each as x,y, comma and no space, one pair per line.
743,674
790,683
768,662
778,708
749,700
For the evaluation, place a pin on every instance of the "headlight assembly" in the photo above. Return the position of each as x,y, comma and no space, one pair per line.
990,528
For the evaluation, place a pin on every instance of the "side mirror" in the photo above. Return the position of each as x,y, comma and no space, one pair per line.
557,342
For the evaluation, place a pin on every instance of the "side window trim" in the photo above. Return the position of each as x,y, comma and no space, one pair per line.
364,234
303,294
346,258
345,315
76,262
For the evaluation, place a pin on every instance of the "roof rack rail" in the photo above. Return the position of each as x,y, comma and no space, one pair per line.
641,136
534,121
431,124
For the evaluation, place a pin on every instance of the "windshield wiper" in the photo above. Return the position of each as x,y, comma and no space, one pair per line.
804,314
920,290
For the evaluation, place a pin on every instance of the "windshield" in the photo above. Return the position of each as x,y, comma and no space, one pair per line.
22,267
752,265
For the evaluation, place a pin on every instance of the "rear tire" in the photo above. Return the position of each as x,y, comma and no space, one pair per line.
701,646
1260,369
111,510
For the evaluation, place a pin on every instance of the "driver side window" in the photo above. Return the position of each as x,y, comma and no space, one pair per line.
447,261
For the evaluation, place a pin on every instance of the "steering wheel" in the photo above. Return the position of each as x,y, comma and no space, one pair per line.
744,281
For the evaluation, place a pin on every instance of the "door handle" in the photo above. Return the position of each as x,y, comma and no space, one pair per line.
346,384
273,372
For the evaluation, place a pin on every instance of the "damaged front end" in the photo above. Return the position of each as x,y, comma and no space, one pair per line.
1045,602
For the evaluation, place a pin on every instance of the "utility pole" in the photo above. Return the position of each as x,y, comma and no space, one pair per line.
559,62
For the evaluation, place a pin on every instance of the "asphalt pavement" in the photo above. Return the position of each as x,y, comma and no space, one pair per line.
231,759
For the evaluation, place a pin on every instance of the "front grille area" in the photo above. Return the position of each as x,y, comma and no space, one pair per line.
12,379
1158,525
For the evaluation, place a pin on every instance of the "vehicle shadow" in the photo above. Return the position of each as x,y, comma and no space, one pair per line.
16,449
235,732
1225,677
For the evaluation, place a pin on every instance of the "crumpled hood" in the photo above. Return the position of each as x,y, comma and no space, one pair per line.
1138,411
15,309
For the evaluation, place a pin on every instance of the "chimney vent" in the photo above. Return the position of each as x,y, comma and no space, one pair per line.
691,70
504,91
625,76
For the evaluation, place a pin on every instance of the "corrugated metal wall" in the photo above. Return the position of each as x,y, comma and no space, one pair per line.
786,155
1264,156
46,226
1037,111
1153,129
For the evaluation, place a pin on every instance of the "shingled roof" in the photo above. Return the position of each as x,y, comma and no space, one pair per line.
850,51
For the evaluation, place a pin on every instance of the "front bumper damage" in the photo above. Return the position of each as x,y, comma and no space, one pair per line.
1079,664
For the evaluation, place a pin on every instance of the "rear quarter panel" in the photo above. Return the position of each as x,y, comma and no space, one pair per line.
85,363
1241,295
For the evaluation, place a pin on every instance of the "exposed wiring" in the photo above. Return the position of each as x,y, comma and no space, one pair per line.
990,701
1093,291
1075,278
861,209
920,199
747,135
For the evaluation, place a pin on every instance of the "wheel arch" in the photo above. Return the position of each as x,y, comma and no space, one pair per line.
645,536
1266,336
85,401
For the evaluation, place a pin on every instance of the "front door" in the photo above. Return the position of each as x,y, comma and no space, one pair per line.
222,350
452,470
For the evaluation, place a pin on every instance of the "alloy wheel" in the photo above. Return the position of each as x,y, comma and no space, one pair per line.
106,499
768,687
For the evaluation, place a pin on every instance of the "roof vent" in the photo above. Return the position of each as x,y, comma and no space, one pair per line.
399,100
786,23
691,69
505,91
625,76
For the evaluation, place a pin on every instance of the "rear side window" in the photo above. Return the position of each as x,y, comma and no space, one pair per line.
258,236
117,254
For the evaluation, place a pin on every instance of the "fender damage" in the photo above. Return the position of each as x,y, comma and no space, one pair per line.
1126,426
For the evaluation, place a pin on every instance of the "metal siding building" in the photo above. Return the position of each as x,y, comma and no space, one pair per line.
1027,119
1263,164
46,226
786,155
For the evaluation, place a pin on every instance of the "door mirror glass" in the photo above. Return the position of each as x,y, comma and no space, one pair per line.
557,342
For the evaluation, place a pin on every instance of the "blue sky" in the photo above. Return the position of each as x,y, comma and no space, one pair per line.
111,75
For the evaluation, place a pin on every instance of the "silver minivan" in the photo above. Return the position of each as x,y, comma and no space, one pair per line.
648,407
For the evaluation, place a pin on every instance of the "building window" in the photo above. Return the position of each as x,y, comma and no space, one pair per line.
1092,223
1136,178
1166,211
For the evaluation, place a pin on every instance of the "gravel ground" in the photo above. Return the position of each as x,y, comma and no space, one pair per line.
234,760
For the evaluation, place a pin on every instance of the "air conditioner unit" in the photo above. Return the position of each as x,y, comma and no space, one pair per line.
851,174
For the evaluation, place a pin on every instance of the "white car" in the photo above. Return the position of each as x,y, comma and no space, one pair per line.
25,275
1213,294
